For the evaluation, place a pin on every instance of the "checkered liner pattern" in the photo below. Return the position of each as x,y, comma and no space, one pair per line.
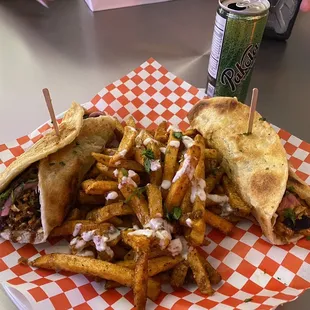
253,270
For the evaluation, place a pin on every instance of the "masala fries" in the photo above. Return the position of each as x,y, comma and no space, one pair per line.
67,228
143,210
104,214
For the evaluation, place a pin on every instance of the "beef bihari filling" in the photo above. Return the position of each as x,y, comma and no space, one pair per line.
20,205
293,215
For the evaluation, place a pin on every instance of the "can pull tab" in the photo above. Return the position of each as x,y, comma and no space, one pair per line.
244,3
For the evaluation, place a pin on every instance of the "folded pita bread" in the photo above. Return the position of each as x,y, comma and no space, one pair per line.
256,163
62,163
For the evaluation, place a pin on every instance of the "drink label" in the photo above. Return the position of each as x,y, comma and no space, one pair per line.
217,43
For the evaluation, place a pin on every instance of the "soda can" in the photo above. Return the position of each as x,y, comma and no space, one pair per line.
238,31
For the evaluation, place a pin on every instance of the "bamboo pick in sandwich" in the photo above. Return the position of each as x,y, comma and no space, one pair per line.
50,108
252,109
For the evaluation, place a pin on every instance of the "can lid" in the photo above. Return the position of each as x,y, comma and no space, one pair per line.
245,7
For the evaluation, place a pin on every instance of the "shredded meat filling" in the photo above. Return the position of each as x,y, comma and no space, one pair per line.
25,213
293,217
20,205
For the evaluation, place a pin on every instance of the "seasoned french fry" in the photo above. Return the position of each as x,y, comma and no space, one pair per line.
85,199
124,163
126,144
163,263
141,277
200,274
199,225
213,179
185,175
161,133
190,132
92,187
104,214
93,267
214,275
157,252
218,222
137,242
135,199
106,171
75,214
109,284
139,158
186,205
235,201
67,228
131,122
155,200
170,162
116,221
155,265
179,274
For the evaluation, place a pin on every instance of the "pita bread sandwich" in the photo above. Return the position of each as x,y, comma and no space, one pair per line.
41,185
257,165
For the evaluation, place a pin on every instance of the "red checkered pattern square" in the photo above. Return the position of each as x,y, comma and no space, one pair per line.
256,275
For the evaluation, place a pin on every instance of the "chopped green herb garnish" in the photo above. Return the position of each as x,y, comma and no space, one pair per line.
308,238
5,195
176,213
291,189
62,163
124,172
148,154
51,164
178,135
290,214
263,119
265,271
147,165
137,192
279,278
248,299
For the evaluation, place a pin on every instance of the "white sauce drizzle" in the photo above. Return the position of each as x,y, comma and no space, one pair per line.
185,168
112,195
198,190
165,184
77,229
174,144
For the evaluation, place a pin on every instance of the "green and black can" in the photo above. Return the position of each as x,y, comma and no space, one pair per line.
238,31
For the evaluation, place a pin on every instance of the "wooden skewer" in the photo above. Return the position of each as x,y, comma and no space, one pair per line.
252,109
48,101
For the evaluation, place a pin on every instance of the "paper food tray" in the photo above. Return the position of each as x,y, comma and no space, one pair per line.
250,266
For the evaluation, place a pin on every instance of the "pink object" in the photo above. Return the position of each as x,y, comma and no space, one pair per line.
305,6
289,202
100,5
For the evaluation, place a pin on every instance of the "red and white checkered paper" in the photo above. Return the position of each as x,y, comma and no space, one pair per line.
250,266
